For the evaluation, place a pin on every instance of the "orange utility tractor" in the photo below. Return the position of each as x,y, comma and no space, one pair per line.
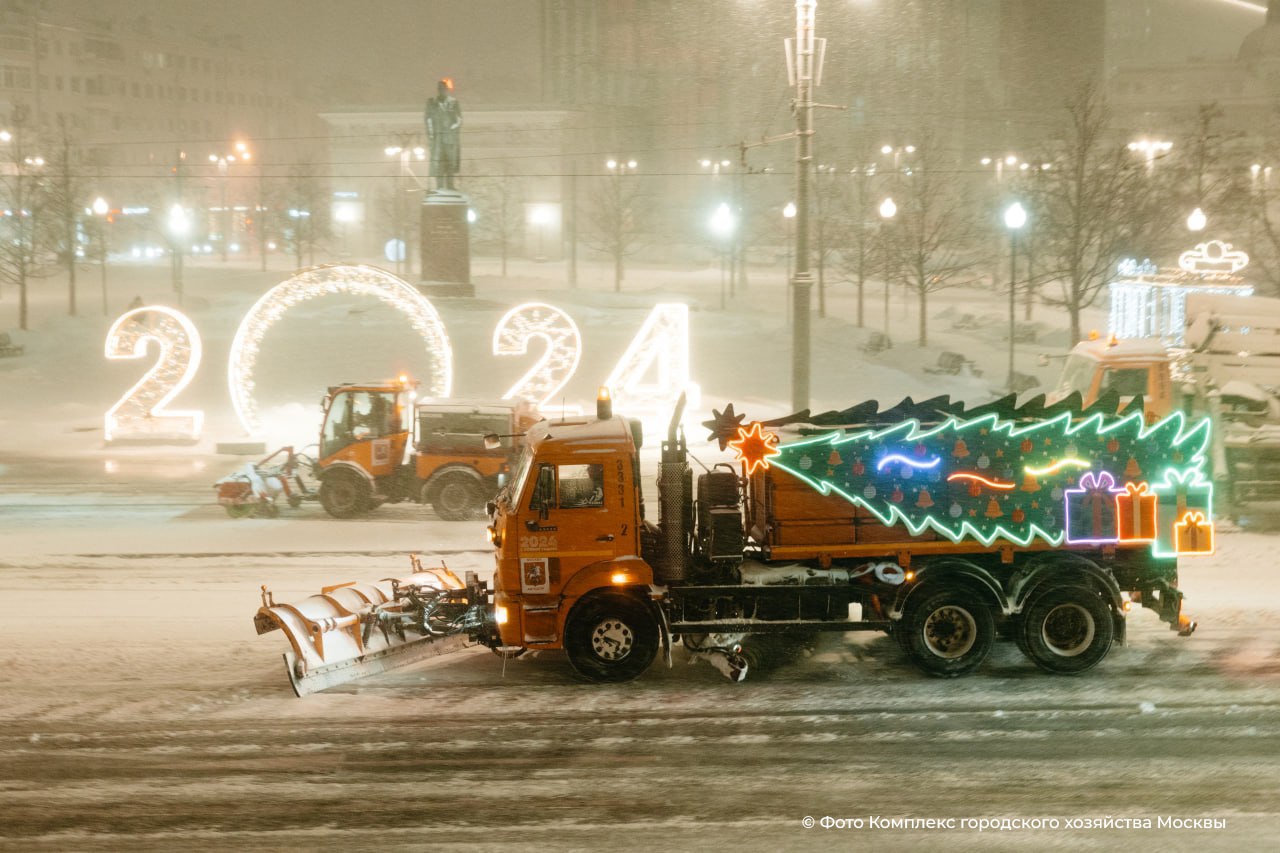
379,445
945,526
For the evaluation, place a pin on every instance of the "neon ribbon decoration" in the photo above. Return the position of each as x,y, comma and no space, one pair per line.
964,475
898,457
1061,463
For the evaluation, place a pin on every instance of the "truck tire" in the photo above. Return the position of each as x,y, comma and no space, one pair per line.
1067,630
949,631
345,494
456,497
610,638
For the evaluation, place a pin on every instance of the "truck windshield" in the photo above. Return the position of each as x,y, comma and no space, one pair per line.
1077,375
520,473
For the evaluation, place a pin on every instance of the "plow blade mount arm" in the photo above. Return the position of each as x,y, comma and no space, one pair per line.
354,630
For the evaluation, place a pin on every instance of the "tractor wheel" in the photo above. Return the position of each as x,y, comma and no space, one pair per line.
239,510
949,631
457,497
1067,630
611,637
344,494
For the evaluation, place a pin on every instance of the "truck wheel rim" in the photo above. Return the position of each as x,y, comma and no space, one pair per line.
453,496
950,632
612,640
1068,630
344,493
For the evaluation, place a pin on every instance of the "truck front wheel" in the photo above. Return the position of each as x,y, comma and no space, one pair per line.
948,632
610,638
1067,630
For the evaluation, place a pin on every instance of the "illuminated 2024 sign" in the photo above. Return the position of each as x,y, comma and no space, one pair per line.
659,350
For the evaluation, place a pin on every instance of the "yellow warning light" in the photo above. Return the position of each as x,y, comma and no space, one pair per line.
500,615
1093,334
911,576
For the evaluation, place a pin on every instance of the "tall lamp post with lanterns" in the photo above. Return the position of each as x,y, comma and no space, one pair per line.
722,225
223,162
1015,217
1196,221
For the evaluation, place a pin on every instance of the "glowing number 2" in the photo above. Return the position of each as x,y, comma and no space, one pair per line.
141,412
559,360
660,348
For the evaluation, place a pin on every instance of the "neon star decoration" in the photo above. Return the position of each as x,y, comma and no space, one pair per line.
351,279
142,413
754,447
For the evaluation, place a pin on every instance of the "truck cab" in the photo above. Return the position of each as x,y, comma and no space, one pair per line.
567,532
1128,368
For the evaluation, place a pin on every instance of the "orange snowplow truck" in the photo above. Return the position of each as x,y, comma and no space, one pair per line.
368,427
945,526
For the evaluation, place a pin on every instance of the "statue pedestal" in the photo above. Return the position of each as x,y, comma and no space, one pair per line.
446,245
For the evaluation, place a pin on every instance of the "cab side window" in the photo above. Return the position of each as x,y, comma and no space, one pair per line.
1125,381
568,487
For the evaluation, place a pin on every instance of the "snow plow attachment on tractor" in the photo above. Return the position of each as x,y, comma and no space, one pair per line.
352,630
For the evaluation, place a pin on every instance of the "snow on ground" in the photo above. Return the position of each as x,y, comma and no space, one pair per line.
139,710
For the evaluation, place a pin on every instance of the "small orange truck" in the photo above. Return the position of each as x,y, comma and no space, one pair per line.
380,445
942,525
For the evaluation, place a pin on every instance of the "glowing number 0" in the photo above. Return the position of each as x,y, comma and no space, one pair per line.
558,362
141,412
340,278
659,349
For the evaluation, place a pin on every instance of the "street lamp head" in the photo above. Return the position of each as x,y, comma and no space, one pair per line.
611,164
213,158
706,164
1197,220
631,164
888,209
910,149
886,149
100,206
1010,160
5,136
986,161
178,222
391,150
722,221
790,210
1015,216
724,162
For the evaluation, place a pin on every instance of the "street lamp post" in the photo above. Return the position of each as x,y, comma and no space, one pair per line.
888,210
788,216
722,225
1015,216
179,227
101,209
618,168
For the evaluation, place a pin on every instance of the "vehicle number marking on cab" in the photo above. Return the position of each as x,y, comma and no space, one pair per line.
539,542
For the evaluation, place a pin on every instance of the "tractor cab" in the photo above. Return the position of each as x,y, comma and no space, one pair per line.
1127,368
365,426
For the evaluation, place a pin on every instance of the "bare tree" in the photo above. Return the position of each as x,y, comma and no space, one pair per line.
23,205
1096,205
929,245
856,239
499,213
65,201
619,211
307,211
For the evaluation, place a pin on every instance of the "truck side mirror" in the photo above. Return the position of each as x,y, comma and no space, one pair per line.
492,441
544,494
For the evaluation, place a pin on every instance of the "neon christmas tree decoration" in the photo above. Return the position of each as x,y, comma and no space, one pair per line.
1033,471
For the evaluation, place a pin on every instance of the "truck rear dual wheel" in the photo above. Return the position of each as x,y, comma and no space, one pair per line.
1067,630
610,638
344,494
948,632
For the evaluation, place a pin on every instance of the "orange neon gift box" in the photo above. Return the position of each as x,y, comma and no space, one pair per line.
1194,534
1136,513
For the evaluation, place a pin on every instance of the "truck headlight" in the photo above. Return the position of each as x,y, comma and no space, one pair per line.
500,615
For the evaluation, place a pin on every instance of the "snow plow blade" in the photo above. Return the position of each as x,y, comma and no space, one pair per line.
354,630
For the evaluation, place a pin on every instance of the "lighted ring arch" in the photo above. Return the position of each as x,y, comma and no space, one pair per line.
352,279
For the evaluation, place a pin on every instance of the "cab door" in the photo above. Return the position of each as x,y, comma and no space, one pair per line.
575,514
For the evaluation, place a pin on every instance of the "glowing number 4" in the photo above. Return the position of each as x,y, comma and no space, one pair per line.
141,413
